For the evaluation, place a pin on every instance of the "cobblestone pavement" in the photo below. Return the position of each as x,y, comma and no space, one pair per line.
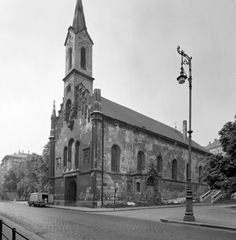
214,214
60,224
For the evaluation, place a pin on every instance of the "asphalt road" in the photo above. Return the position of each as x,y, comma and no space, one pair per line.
51,223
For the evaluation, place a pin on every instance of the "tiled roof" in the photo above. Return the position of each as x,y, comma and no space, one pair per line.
213,145
119,112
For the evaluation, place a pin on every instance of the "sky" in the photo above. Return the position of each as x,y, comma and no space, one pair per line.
135,63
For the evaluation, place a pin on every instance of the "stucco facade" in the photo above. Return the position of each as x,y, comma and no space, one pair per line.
100,149
8,162
215,147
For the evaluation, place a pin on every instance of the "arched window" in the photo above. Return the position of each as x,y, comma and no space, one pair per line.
68,89
150,181
115,159
70,152
65,157
174,169
68,106
159,164
83,58
200,174
70,58
77,154
140,162
138,186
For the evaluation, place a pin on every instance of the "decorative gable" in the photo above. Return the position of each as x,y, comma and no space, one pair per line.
152,173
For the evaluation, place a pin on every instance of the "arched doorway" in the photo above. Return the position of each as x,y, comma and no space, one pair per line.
72,192
150,189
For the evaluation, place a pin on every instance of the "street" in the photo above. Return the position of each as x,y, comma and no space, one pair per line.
53,223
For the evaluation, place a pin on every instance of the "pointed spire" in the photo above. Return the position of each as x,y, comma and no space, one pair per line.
53,118
79,19
53,110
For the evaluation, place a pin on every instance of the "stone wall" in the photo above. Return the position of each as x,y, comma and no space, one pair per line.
131,140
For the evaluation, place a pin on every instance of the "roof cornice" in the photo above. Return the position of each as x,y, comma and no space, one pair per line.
75,71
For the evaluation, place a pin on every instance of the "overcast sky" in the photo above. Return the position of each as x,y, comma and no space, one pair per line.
135,63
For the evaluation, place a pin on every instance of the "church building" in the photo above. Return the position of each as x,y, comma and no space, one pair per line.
100,150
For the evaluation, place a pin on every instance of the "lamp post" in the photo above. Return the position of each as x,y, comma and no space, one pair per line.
185,59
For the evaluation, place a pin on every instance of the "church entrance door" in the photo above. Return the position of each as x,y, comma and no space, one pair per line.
151,189
71,193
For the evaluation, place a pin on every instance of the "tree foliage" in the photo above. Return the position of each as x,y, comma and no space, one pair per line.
228,138
10,180
220,170
31,175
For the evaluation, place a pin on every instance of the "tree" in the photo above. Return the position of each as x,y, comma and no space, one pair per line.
1,192
220,170
228,138
30,176
33,174
212,175
43,174
10,181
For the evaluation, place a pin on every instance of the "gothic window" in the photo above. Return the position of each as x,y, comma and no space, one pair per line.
140,163
174,169
86,156
138,186
70,58
68,89
58,163
115,159
150,181
159,164
200,174
65,157
68,106
77,154
70,152
83,58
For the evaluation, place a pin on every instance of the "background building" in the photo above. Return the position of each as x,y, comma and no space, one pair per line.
99,148
9,161
215,147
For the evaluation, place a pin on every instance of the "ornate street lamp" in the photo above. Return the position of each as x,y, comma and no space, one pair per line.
185,59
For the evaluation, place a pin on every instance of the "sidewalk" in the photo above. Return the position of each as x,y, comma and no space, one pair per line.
221,216
216,216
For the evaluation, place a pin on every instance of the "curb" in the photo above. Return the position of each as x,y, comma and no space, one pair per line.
97,210
198,224
101,210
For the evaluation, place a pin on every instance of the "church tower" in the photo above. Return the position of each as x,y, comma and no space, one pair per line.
78,58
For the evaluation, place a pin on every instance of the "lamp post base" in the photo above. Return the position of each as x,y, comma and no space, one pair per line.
189,217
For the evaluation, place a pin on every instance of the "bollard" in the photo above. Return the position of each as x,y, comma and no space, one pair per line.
13,234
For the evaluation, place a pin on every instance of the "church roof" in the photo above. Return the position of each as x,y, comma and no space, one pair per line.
79,19
124,114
